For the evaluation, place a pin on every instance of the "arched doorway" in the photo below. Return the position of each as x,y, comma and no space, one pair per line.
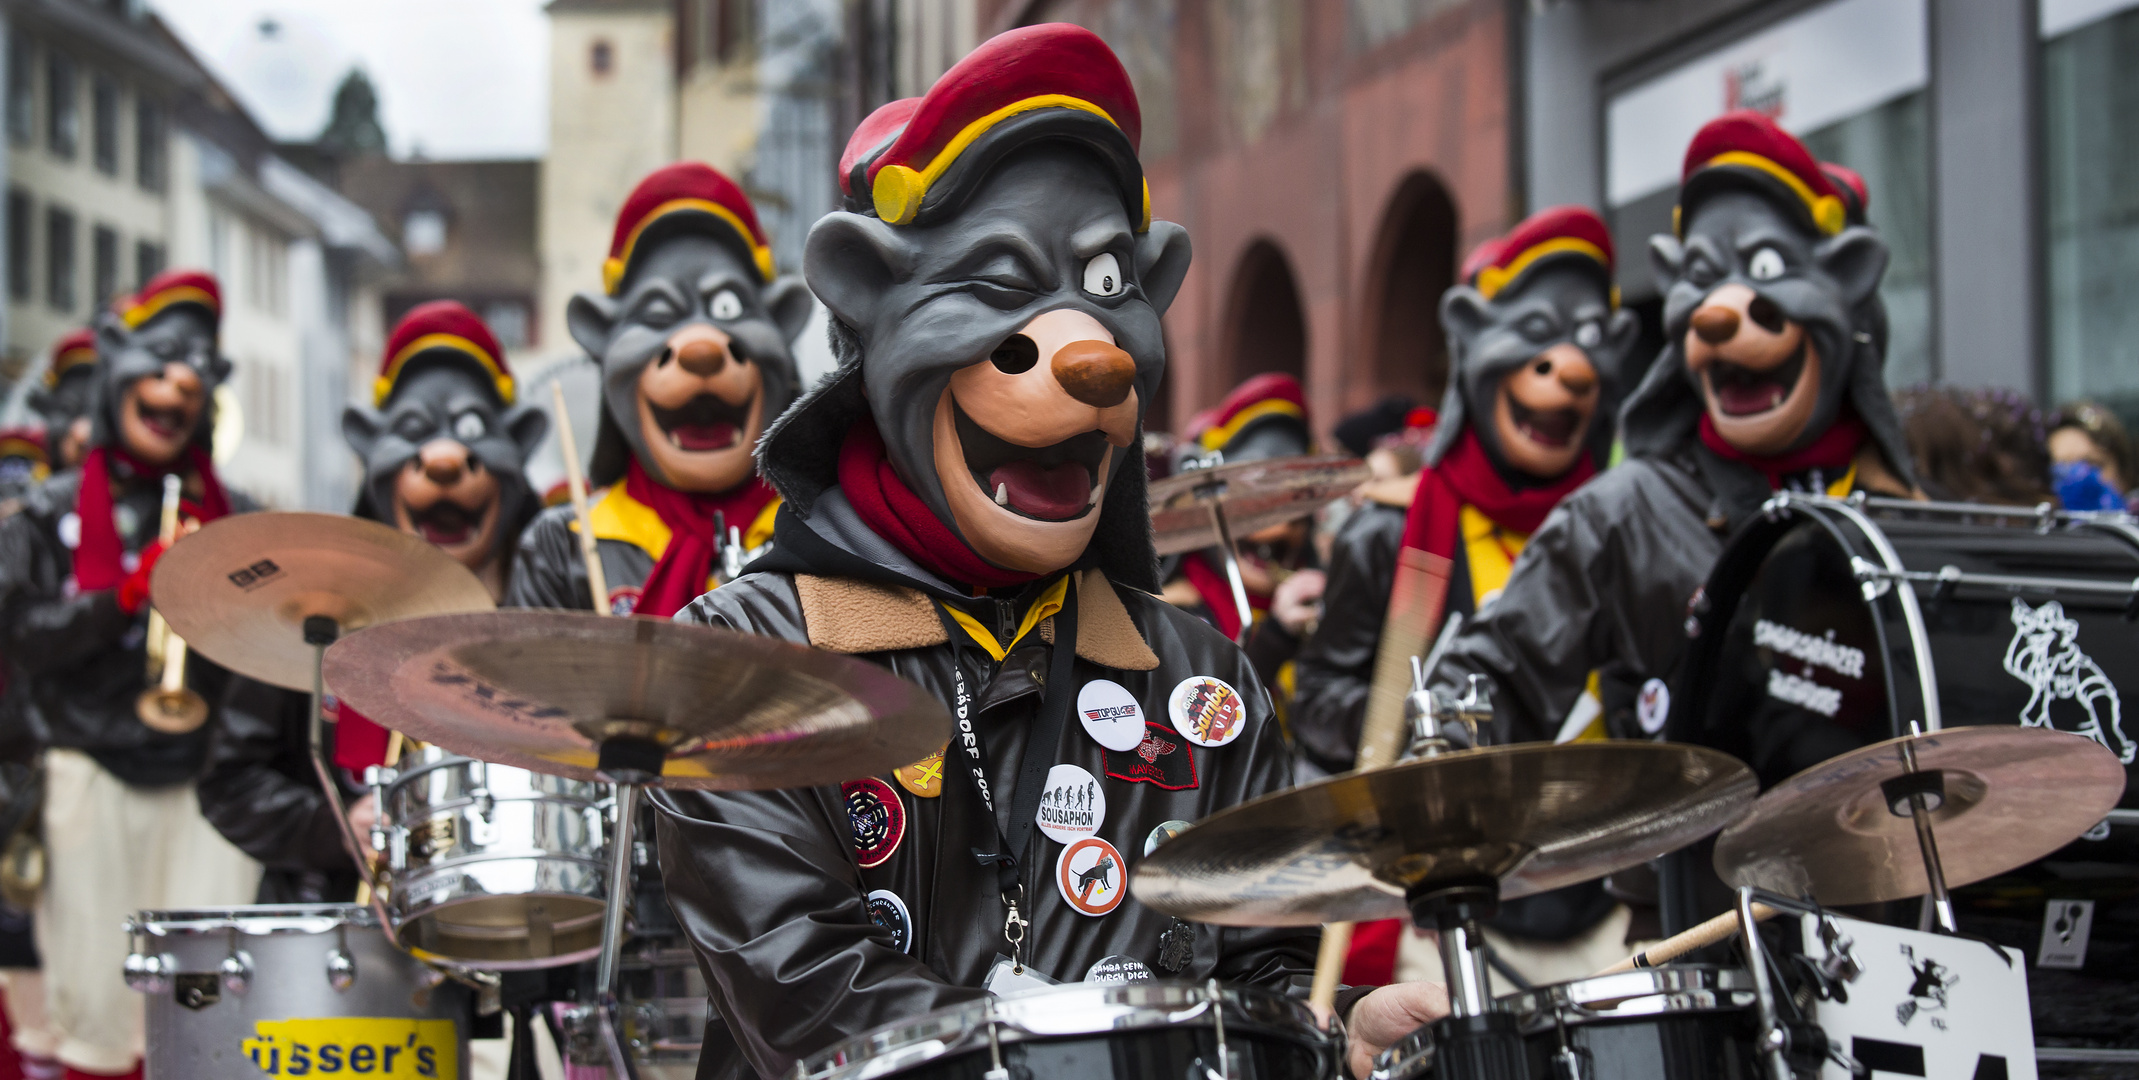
1264,327
1414,262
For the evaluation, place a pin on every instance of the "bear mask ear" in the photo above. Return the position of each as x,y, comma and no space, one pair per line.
589,317
360,428
1668,258
527,425
1856,259
789,301
1162,255
852,262
1464,314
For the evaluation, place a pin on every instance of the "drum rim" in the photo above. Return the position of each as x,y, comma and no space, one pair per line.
958,1028
256,920
403,777
1664,981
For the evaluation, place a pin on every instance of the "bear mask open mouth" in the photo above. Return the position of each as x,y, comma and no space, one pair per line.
445,522
1738,390
1546,427
1047,483
703,424
168,423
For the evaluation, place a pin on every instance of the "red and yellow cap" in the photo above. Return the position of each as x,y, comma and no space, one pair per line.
1856,194
686,188
1273,395
27,443
1747,145
1036,81
78,349
1548,235
195,287
445,325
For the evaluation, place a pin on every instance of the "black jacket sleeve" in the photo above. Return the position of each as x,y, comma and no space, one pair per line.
260,790
546,572
1336,666
41,629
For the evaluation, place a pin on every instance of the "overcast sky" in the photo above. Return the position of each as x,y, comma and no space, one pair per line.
457,79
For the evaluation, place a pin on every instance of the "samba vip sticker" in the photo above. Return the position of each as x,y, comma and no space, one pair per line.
1161,760
1090,875
1110,714
888,911
1072,806
1208,711
877,817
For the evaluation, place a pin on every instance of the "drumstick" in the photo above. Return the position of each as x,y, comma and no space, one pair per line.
1677,945
597,582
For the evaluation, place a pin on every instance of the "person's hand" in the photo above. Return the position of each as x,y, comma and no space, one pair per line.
1388,1014
134,587
1297,603
363,814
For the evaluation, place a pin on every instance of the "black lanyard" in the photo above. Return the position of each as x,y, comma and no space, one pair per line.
1055,700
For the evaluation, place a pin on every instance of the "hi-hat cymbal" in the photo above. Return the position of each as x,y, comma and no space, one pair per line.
1533,816
540,690
1255,495
2013,795
239,590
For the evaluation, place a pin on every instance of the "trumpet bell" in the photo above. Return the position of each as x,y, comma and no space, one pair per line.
172,712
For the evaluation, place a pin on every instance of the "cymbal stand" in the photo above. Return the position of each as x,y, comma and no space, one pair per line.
321,631
1477,1040
1914,795
630,764
1232,569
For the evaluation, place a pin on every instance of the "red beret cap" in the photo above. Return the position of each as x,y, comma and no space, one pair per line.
1746,143
196,287
687,187
441,324
1270,394
1561,231
77,349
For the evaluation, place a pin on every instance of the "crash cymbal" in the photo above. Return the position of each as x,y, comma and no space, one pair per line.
1255,494
540,689
240,589
2013,795
1534,816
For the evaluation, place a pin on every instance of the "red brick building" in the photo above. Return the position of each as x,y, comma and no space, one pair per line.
1332,159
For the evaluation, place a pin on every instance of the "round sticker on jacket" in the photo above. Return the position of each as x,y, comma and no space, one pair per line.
877,817
1072,805
1110,714
1117,969
1653,707
1167,830
888,911
1207,711
1090,875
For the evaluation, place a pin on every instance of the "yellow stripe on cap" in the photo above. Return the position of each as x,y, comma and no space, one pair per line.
1492,279
613,267
898,190
148,309
1827,211
383,386
1223,433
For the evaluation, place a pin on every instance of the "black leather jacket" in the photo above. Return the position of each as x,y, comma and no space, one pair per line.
261,793
81,659
769,886
548,571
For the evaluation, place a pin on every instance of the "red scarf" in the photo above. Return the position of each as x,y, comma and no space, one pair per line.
1466,477
97,557
1831,452
1217,592
679,575
894,512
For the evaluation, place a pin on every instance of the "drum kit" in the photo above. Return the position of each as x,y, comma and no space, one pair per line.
506,841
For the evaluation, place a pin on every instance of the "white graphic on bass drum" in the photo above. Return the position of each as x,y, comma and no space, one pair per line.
2045,654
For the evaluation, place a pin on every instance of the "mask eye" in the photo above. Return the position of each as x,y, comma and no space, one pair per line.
1102,275
1765,265
1589,335
413,428
658,312
1536,328
468,427
726,306
1699,270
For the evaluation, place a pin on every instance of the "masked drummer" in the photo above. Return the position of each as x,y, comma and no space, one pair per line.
691,331
444,445
121,829
1771,380
966,506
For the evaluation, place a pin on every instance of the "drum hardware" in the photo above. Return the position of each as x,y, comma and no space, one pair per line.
1203,504
235,971
1441,722
168,705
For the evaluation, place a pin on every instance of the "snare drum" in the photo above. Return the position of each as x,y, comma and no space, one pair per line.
1129,1031
290,990
492,866
1678,1022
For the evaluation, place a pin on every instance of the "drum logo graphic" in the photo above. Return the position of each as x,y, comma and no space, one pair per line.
2045,654
877,817
1929,983
1090,875
377,1046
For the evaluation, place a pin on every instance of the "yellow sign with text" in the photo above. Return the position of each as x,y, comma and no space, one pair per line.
369,1046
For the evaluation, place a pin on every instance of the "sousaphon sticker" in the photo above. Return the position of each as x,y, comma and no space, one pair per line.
877,817
1161,760
1091,876
1072,805
1207,710
924,777
1110,714
888,911
393,1048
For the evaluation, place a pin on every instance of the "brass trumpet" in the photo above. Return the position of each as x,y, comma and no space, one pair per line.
168,705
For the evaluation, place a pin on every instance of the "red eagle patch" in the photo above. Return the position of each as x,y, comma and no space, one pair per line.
1163,759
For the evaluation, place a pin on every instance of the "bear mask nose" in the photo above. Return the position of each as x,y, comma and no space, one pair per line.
1094,372
1577,378
444,462
1715,325
702,356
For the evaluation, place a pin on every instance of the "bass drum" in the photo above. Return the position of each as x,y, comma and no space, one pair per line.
1828,625
1127,1031
290,990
